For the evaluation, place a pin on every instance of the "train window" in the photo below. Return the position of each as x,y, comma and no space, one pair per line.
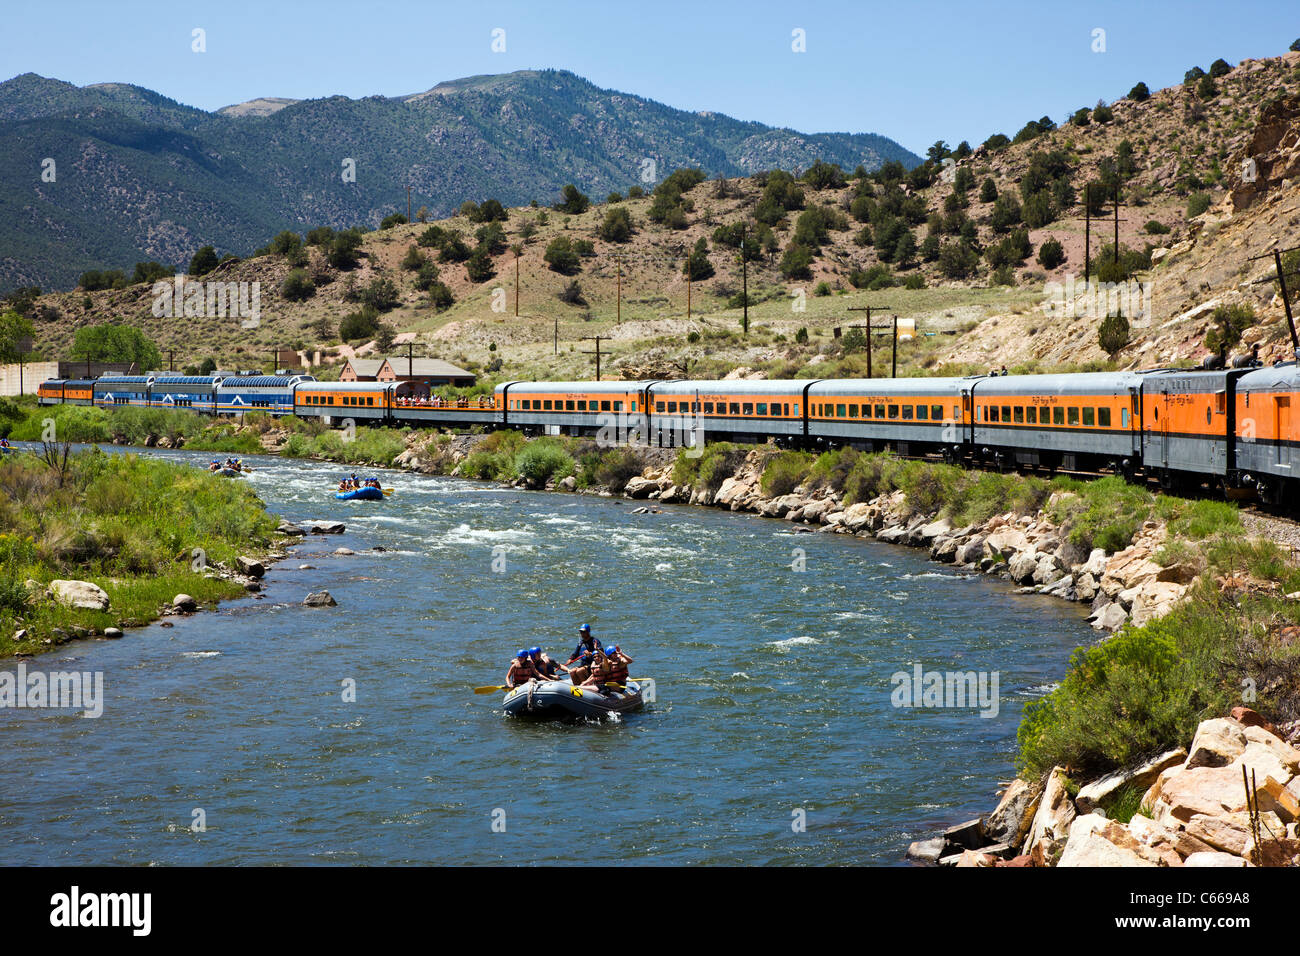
880,411
735,408
936,412
923,412
604,406
1058,415
1018,415
618,406
546,404
370,401
992,411
1089,416
1220,403
569,405
672,406
708,408
893,412
1006,413
1103,417
1031,415
632,406
841,411
762,408
956,413
1123,418
748,408
582,404
1074,415
1207,414
853,411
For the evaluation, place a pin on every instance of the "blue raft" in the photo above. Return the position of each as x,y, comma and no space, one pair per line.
361,494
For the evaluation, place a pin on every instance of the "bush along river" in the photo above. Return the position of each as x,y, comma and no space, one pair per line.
804,711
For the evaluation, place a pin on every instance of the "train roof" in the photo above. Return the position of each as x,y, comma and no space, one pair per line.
891,386
264,381
1077,383
314,386
186,380
124,380
612,388
1271,377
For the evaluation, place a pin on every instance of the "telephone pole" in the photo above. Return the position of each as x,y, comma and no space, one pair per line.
1276,256
517,251
596,352
744,274
869,329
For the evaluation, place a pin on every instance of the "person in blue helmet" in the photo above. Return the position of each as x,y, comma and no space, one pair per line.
522,670
579,664
547,667
618,664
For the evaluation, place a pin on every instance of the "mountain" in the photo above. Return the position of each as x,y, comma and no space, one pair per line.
138,176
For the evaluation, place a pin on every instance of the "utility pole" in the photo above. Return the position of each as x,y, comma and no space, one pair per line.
1117,223
1276,256
595,353
517,250
689,272
618,317
744,273
1087,231
171,364
893,371
557,335
867,309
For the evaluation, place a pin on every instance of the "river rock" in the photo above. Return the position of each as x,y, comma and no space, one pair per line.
344,551
971,551
1143,775
327,527
1010,820
1055,813
250,566
112,633
1110,618
1048,570
892,535
184,603
934,529
1096,563
1217,743
944,548
568,483
1214,858
1129,569
1228,833
859,516
640,487
1155,599
1095,841
1085,587
1005,541
926,851
291,529
80,594
1021,568
1212,791
320,599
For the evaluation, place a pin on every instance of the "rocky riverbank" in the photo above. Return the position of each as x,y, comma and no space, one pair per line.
1229,799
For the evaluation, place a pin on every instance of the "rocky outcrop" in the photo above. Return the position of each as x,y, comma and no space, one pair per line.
1195,811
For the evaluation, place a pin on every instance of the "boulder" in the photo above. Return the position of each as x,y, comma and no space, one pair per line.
974,858
112,633
1155,599
250,566
892,535
327,527
320,599
1110,618
859,516
1085,587
1264,761
1250,718
1158,836
1284,800
815,511
971,551
1229,833
640,487
945,548
291,529
1048,570
1005,541
674,493
80,594
1217,743
1054,815
1022,567
1128,569
1214,858
568,483
1010,820
1265,738
1095,841
184,603
1143,775
731,489
1096,563
969,835
926,851
934,529
1212,791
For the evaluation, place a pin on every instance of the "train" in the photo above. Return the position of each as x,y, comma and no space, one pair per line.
1227,428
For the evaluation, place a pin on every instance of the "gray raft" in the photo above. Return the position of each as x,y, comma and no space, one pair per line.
555,699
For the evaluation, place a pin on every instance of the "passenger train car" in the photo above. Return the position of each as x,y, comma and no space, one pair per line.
1230,428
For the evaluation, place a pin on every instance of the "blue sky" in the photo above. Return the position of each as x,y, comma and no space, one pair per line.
911,71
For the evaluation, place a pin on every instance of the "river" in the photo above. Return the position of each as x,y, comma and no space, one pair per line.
773,739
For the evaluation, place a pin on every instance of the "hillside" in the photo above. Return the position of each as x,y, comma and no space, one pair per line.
141,177
1182,144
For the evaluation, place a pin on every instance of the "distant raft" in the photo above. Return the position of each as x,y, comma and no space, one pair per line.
557,699
361,494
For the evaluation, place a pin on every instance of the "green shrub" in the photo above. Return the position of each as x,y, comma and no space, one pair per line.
784,472
543,460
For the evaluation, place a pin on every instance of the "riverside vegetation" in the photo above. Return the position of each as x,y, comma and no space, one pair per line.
91,543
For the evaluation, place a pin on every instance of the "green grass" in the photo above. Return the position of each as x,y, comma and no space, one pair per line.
135,526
